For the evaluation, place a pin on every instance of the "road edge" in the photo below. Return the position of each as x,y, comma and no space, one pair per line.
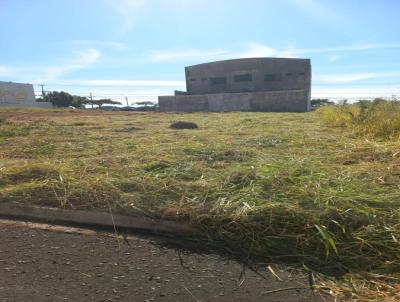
95,218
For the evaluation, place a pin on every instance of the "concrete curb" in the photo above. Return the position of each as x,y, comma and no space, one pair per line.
93,218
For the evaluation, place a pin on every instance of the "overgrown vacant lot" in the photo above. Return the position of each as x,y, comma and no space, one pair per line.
272,187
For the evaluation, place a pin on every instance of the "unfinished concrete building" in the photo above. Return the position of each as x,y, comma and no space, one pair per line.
255,84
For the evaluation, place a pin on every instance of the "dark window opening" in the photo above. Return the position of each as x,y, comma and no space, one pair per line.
218,81
243,77
272,77
301,73
289,74
204,79
192,80
269,77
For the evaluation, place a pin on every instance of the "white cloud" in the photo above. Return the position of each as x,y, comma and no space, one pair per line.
6,71
129,10
344,78
352,77
91,43
315,8
356,47
173,55
333,58
354,92
258,48
318,10
252,50
84,59
118,83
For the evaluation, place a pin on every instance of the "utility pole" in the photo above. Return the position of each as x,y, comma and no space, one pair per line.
91,99
43,94
126,99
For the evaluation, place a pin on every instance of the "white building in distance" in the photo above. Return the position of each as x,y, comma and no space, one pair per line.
19,95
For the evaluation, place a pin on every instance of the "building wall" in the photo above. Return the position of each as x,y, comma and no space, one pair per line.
249,75
19,95
268,101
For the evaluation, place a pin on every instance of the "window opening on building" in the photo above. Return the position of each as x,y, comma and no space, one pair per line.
218,81
243,77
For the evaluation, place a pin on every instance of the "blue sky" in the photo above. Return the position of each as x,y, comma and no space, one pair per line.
138,48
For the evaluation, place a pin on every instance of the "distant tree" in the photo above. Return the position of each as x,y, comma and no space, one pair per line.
362,102
79,101
64,99
101,102
145,103
379,100
59,99
320,102
146,106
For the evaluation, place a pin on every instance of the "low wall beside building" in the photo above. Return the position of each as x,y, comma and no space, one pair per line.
268,101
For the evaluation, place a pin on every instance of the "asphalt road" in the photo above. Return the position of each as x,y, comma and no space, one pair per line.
39,262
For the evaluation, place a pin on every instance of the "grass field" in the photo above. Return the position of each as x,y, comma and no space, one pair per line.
271,187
